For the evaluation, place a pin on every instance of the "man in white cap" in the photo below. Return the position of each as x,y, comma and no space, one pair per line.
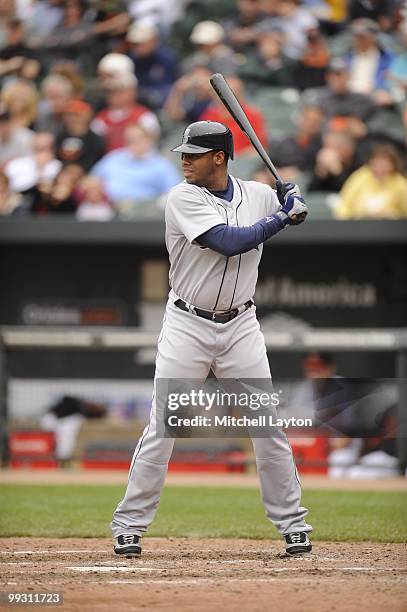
121,111
155,65
113,65
208,37
110,68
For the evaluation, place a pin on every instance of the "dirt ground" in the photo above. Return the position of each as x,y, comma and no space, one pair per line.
192,575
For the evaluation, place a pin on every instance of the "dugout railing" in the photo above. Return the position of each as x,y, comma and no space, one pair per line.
352,340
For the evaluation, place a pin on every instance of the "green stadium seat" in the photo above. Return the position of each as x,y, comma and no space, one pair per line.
387,121
317,204
279,106
243,167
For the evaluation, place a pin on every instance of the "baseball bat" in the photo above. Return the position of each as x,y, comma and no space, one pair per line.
234,107
229,100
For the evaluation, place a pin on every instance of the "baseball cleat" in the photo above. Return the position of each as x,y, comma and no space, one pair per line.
297,543
128,545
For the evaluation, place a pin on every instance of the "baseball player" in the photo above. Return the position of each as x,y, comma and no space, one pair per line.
215,228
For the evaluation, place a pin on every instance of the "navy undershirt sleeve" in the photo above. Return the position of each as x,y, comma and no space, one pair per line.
230,241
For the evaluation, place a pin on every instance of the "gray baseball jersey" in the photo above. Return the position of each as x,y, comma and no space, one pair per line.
201,276
190,345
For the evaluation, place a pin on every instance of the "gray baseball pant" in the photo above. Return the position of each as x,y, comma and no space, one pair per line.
188,347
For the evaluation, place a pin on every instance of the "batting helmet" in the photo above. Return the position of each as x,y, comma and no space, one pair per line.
204,136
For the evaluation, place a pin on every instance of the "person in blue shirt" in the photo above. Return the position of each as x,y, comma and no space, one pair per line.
397,73
155,65
137,171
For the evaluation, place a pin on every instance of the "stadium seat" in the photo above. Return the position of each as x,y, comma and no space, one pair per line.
244,166
317,203
386,121
279,106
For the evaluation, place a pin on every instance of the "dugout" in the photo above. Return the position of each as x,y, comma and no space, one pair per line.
62,276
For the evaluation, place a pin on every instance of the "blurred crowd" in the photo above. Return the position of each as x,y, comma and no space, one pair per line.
94,94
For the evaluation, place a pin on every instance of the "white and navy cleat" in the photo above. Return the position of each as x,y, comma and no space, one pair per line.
297,543
128,545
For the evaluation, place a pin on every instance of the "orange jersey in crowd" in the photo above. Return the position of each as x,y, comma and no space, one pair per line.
241,142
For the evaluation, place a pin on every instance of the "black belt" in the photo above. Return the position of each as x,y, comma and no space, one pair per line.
212,315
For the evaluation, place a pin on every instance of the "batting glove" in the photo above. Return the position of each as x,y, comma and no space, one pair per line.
286,189
292,204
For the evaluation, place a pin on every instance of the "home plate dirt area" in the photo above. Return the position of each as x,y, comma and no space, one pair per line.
193,575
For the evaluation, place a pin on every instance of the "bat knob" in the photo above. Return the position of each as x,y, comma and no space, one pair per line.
299,218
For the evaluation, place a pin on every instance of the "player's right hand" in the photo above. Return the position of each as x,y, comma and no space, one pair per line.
292,204
286,189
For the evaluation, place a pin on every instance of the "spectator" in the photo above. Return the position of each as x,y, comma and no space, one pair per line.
111,20
111,67
78,143
26,172
56,92
159,13
15,141
21,99
381,11
297,153
69,70
334,400
267,65
295,22
93,203
155,65
208,37
335,162
70,37
397,73
378,455
123,110
336,99
241,31
313,62
332,394
217,112
16,58
190,95
65,418
338,406
57,197
377,190
45,17
369,63
137,171
10,202
333,17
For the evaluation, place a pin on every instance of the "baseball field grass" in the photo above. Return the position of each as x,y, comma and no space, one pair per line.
86,510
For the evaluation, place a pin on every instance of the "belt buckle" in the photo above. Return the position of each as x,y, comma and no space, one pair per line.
213,316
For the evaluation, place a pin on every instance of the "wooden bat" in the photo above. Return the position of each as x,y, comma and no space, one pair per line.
229,100
234,107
